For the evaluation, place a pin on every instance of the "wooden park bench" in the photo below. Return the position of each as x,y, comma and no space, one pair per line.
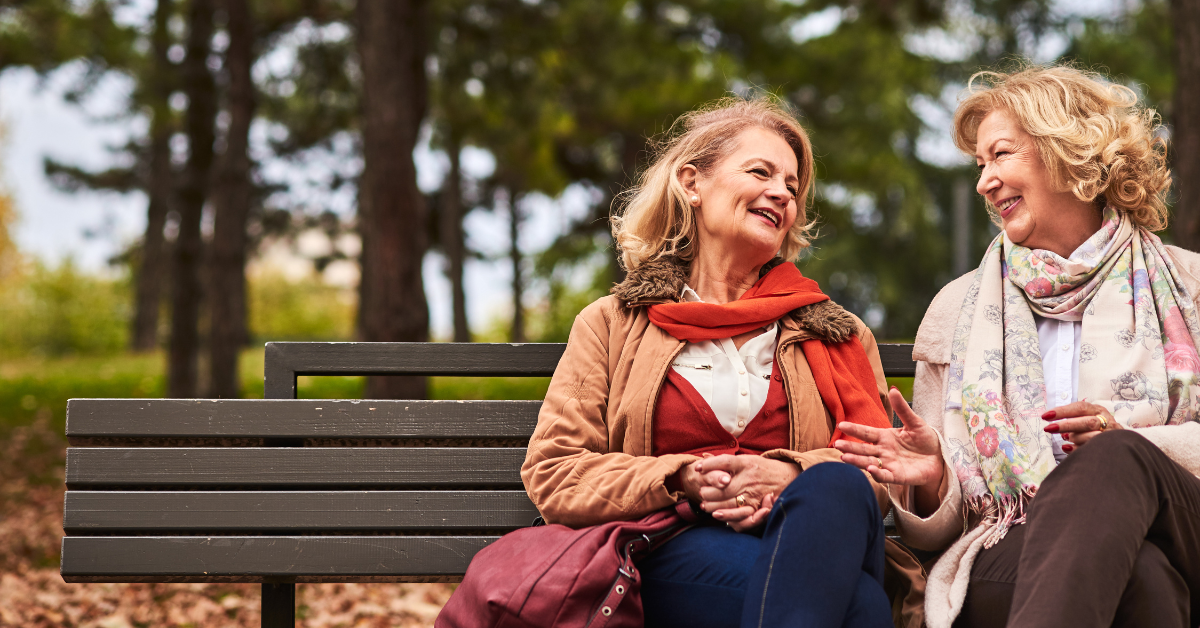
282,490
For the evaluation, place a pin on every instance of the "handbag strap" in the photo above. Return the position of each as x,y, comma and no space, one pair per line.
627,575
687,511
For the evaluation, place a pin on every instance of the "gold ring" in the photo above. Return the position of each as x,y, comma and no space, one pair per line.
879,462
1103,422
741,500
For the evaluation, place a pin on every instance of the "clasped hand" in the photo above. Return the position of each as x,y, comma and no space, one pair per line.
716,482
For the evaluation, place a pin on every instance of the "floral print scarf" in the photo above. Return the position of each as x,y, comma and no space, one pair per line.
1137,356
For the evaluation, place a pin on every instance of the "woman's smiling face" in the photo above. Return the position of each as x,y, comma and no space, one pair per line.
748,201
1015,181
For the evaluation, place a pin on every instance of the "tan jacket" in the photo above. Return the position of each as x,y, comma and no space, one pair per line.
948,528
589,459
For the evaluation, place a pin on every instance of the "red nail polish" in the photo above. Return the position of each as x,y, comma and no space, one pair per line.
1068,447
1049,415
1053,427
894,388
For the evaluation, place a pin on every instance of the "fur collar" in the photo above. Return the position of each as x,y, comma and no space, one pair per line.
662,280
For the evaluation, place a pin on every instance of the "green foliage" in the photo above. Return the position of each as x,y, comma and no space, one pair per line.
569,91
1134,46
281,309
44,34
62,311
552,322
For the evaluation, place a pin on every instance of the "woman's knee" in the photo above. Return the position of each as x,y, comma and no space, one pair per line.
1119,442
843,482
1117,451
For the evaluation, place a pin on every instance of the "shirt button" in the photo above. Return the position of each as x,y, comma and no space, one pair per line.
1063,395
741,424
1065,347
741,371
745,392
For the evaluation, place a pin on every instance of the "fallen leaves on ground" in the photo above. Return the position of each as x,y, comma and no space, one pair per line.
38,598
33,595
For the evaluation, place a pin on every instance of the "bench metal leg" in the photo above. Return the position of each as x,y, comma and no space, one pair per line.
279,605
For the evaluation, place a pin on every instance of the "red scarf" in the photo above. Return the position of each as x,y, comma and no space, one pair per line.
842,372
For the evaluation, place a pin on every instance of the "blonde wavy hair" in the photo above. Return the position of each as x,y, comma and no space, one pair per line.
654,219
1093,136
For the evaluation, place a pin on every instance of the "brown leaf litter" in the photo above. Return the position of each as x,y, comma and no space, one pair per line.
33,595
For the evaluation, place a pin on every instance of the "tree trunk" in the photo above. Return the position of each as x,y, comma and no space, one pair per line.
391,48
183,354
453,240
231,201
514,255
160,187
1185,136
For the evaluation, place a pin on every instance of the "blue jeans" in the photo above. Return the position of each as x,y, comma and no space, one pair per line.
819,563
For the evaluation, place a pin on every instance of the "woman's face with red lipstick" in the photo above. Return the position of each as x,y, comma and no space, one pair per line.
1015,181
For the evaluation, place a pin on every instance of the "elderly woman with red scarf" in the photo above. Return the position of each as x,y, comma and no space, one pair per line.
716,372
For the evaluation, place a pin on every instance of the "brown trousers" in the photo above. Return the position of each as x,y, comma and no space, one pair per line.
1112,539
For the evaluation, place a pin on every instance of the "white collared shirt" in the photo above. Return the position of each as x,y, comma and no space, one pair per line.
733,381
1059,344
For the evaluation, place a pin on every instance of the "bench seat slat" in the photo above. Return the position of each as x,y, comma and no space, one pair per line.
89,512
204,559
300,418
497,467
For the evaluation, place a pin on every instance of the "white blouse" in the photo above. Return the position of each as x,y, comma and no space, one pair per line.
733,381
1059,344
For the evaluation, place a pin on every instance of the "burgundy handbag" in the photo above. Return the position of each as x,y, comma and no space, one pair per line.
552,575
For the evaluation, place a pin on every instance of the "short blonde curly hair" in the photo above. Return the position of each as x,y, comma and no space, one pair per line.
654,219
1092,134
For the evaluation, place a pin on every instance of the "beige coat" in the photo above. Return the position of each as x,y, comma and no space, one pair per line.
589,460
949,527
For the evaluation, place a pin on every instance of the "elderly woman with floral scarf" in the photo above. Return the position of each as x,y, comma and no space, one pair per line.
1054,442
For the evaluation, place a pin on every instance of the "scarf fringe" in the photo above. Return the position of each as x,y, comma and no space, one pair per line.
1000,513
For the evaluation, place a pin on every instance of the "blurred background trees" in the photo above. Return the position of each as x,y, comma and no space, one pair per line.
258,122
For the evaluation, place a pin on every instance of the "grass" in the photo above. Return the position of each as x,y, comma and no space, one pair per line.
33,387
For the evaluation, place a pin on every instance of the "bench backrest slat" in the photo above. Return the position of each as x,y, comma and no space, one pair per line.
285,360
300,418
295,466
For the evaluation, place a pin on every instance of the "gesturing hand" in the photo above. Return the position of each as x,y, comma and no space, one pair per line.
910,455
1079,423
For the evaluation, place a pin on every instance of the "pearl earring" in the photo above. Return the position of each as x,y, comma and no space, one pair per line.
695,199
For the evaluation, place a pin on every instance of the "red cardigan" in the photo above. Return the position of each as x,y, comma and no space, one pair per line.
685,424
